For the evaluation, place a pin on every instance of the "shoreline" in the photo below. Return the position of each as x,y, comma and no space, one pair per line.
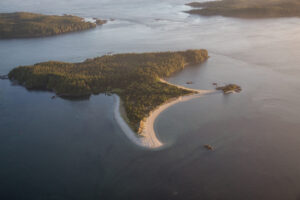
148,138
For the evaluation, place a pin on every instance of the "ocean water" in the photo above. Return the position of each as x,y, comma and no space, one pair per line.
62,149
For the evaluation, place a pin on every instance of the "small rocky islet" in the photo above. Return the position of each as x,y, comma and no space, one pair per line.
230,88
208,147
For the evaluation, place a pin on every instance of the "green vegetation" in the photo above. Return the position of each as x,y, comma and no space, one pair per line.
28,25
134,77
230,88
248,8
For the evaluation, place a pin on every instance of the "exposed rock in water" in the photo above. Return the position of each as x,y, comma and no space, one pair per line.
100,22
230,88
190,82
208,147
53,97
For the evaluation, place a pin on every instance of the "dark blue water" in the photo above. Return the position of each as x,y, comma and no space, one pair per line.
62,149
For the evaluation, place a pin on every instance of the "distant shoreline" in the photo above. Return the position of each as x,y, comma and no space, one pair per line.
251,9
21,25
148,137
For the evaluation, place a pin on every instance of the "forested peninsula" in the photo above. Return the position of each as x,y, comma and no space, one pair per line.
247,8
30,25
136,78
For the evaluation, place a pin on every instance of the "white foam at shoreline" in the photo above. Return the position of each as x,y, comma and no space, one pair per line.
91,20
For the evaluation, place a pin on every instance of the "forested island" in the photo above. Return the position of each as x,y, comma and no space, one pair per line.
248,8
134,77
30,25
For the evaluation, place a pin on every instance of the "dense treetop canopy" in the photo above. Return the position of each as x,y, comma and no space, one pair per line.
27,25
134,77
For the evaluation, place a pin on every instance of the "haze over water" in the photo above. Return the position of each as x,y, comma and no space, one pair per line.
60,149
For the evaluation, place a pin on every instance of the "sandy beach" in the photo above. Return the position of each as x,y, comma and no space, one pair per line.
148,138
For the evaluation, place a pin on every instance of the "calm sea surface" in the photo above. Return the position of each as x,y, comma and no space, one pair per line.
73,150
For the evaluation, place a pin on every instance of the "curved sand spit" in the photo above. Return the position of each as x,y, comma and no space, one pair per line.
149,138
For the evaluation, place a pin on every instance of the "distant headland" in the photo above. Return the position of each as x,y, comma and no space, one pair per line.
247,8
31,25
